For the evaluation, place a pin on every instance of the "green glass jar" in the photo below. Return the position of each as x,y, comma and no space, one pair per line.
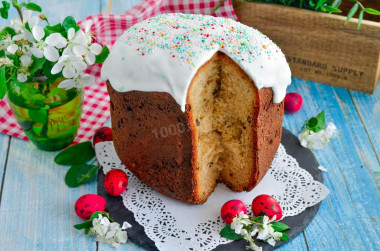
49,115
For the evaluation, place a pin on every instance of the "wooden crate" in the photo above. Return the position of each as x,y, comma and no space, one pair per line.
318,46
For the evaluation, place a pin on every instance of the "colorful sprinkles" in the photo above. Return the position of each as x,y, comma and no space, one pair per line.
188,36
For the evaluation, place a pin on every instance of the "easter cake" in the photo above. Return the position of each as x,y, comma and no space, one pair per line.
196,100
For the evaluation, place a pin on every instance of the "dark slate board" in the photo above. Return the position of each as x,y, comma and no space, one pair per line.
298,223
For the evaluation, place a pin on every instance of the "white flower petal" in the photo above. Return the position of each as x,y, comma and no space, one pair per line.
70,33
33,21
79,50
57,68
263,234
125,224
87,81
67,52
79,66
54,39
68,72
96,48
68,84
90,58
271,241
51,53
121,237
26,15
12,48
21,77
62,42
28,36
26,60
80,38
89,23
322,168
38,32
37,52
238,228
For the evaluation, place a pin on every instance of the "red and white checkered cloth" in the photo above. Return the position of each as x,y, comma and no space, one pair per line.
107,28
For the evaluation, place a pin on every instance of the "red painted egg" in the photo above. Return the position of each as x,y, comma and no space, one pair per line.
266,205
102,134
232,208
115,182
292,102
88,204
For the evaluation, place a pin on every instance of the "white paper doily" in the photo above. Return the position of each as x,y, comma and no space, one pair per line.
175,225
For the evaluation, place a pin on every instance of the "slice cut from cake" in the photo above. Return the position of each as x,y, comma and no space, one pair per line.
196,100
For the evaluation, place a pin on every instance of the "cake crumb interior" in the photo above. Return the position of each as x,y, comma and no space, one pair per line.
222,102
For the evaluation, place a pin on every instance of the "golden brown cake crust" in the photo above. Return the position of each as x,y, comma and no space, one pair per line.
153,138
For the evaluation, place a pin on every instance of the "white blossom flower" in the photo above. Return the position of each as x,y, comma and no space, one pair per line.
266,229
6,61
47,48
77,43
101,225
87,31
316,141
79,81
8,44
19,25
70,65
23,70
109,232
92,51
239,222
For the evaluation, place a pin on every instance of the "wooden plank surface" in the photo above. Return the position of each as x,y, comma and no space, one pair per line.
4,143
353,201
37,208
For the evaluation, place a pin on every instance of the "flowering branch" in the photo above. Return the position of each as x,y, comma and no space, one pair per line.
315,135
62,51
105,229
245,227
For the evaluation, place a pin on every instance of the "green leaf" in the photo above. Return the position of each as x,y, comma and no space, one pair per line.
36,65
5,9
330,9
320,3
39,116
312,122
52,29
80,174
321,119
258,219
279,226
361,14
96,214
76,154
317,123
372,11
352,12
284,237
33,6
3,82
69,22
336,3
103,55
230,234
7,30
84,225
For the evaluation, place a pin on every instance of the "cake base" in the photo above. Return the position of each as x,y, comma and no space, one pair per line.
298,223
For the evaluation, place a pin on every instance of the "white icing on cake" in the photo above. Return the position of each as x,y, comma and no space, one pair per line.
163,53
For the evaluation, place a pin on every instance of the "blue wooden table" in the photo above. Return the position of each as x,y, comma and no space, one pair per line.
37,208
